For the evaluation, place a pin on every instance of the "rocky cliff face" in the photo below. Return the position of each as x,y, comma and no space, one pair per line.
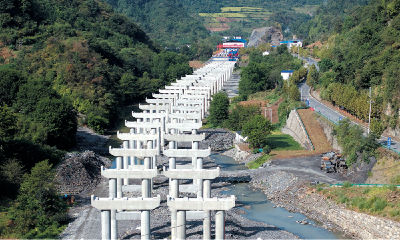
264,35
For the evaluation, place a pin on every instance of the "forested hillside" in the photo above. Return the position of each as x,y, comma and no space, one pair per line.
64,63
165,21
360,50
85,54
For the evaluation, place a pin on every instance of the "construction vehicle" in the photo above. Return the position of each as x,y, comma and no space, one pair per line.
327,166
333,161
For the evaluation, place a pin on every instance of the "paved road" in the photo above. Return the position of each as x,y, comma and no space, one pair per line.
309,60
335,116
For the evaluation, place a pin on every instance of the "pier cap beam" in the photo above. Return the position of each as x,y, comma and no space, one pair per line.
201,204
191,173
187,153
122,152
183,126
129,173
125,203
142,125
185,137
135,136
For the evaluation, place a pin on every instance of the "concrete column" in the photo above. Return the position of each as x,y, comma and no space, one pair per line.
200,181
220,225
207,188
105,224
181,229
119,180
146,183
132,144
207,225
145,225
174,223
163,121
126,162
114,225
149,165
113,186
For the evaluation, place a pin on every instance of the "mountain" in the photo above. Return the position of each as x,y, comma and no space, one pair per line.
166,21
361,49
81,56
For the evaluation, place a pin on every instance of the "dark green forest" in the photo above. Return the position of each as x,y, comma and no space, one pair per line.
360,50
65,63
166,22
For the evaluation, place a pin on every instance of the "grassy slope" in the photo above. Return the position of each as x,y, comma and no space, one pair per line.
378,201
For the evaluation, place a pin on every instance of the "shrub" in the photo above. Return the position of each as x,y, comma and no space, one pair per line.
320,188
254,151
343,199
395,179
379,205
392,187
369,173
394,212
267,149
366,190
346,184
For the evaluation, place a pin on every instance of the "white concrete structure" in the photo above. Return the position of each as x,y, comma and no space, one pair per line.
173,113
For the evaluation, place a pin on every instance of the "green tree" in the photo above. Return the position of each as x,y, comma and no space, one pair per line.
10,80
377,127
257,131
240,115
38,204
325,64
59,118
219,109
7,124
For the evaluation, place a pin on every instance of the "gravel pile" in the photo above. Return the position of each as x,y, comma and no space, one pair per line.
218,139
80,171
241,156
87,139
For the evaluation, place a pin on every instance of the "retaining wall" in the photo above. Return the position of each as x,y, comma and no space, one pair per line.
363,225
327,128
295,128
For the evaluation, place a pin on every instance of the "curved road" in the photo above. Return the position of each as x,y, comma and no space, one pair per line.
331,113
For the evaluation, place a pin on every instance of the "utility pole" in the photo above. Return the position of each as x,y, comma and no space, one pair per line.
370,106
270,113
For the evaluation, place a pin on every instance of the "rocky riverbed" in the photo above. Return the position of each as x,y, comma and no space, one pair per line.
241,156
295,195
86,223
283,188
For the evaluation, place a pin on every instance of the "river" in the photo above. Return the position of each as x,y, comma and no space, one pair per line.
261,210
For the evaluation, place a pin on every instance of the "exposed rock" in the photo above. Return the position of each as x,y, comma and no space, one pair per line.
262,35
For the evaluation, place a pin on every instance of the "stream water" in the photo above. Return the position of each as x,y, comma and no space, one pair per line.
261,210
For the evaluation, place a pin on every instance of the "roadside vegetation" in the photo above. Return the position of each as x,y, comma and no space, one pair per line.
377,201
358,48
350,137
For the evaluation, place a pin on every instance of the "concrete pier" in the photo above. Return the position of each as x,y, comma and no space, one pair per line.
175,110
220,225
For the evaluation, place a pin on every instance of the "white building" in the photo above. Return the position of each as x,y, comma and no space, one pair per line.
286,74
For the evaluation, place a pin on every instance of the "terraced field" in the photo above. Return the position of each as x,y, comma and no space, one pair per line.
230,17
